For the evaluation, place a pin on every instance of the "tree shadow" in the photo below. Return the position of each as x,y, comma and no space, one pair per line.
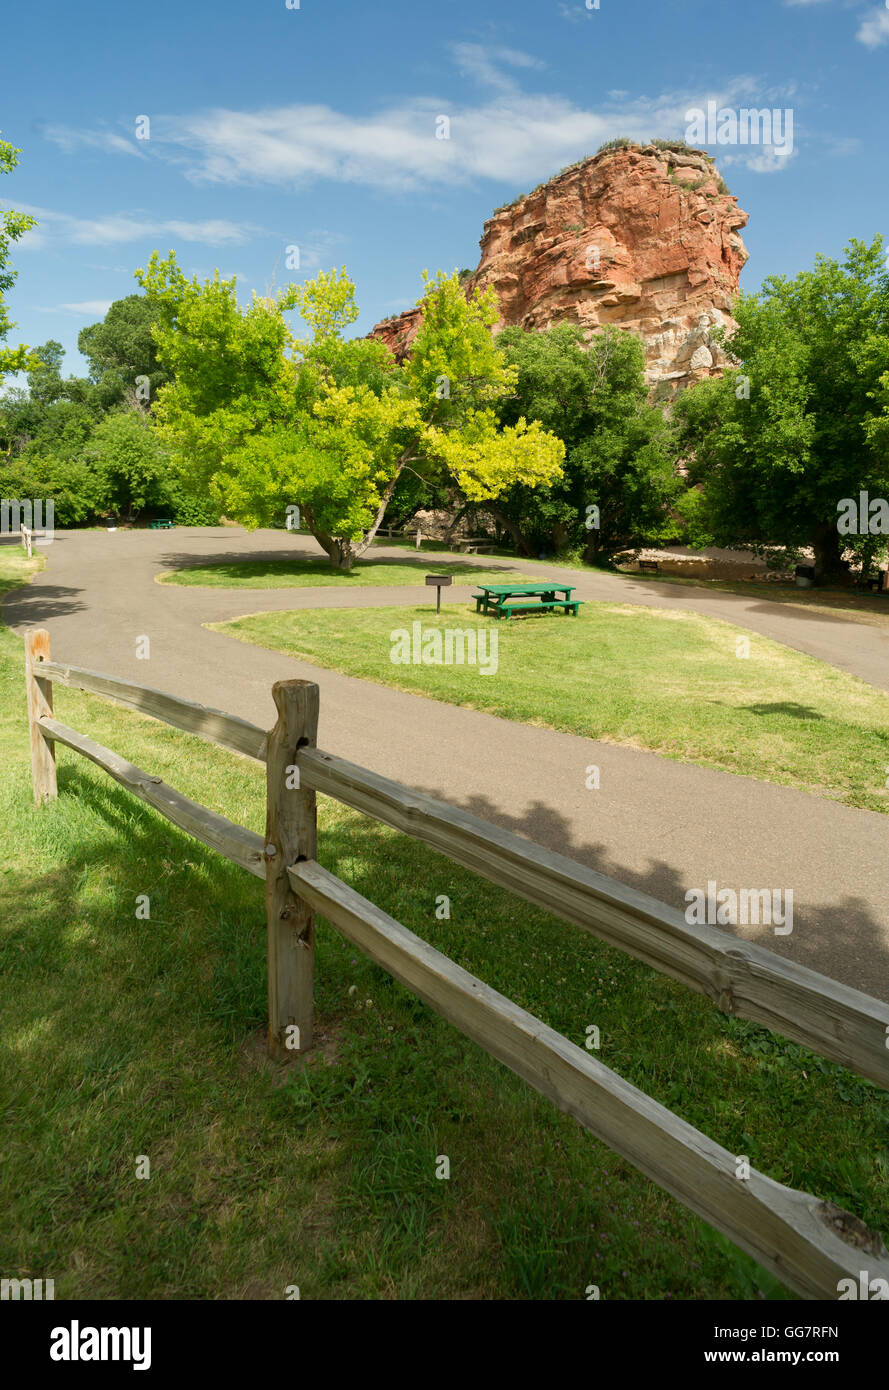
796,711
307,562
204,953
841,939
38,603
786,605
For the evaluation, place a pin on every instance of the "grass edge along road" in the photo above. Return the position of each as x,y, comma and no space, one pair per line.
271,573
126,1037
671,681
856,607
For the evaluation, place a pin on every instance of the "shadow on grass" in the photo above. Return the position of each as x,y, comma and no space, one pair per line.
232,564
796,711
110,988
198,902
841,939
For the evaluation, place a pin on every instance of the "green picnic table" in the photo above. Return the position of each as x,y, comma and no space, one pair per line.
162,523
505,599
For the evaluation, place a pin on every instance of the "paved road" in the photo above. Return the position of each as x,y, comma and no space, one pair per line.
657,824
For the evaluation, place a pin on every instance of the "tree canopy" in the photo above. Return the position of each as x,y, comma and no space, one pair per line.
619,479
121,352
800,424
265,420
13,226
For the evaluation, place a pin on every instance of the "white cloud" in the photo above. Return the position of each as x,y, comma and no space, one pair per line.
476,61
769,159
512,138
575,13
69,140
874,30
119,228
90,308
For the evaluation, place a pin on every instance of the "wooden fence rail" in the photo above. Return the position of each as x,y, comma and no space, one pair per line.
209,724
810,1245
741,978
807,1244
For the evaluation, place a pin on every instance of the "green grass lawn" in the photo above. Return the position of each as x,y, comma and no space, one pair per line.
124,1037
314,574
662,679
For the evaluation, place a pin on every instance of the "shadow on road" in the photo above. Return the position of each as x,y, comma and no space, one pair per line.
784,606
818,928
37,603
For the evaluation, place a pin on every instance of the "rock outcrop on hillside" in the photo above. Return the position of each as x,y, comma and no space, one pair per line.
641,237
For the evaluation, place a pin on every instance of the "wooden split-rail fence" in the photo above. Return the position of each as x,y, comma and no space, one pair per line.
810,1245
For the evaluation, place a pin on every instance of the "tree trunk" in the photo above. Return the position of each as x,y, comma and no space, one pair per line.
829,564
362,545
343,553
518,540
591,549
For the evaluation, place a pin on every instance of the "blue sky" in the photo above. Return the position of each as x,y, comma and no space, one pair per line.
315,127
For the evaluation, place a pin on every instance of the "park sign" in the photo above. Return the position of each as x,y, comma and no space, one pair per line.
439,580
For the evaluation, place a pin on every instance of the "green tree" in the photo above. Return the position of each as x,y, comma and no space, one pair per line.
121,351
13,226
779,442
618,448
263,420
129,464
53,416
45,385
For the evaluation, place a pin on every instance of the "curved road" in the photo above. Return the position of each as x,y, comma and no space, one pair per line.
659,825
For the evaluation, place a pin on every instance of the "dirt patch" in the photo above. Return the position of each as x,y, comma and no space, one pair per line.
324,1052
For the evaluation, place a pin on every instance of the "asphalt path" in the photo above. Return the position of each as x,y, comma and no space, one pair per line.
659,825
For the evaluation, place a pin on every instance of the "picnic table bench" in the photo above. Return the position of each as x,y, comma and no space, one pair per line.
502,600
475,545
651,565
162,523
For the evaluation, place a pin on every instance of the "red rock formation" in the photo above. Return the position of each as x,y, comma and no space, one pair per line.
640,237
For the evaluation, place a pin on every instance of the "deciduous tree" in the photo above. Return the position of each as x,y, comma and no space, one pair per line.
265,420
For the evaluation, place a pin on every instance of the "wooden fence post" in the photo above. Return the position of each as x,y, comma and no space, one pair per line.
291,834
43,751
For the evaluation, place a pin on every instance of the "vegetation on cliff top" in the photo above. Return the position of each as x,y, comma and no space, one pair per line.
620,142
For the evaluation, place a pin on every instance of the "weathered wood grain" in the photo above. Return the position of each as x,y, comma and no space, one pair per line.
234,842
808,1244
291,834
212,725
741,978
39,688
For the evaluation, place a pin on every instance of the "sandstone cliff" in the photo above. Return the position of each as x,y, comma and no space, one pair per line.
640,236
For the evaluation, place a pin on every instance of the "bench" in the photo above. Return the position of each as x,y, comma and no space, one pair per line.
653,566
544,606
475,545
162,523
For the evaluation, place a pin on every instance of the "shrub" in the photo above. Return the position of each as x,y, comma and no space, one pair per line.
621,142
188,510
